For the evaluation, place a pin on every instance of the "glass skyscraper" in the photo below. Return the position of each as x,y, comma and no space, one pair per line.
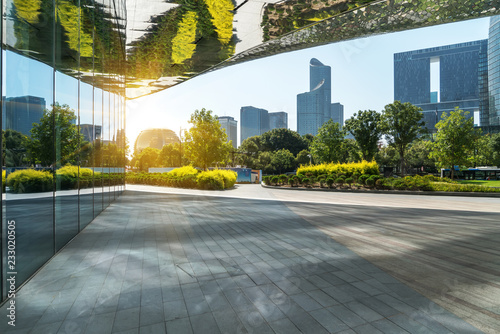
314,107
442,78
231,126
254,122
494,71
278,120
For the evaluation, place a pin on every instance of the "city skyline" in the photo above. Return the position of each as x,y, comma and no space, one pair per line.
363,69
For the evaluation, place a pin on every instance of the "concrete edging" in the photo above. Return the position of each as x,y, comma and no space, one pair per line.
393,192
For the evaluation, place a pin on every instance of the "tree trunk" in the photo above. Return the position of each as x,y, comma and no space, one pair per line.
402,163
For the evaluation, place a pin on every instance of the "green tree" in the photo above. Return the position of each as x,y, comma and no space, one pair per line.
419,155
495,148
366,128
282,161
326,146
387,156
68,140
482,151
454,139
278,139
303,158
171,155
349,151
402,124
309,139
249,151
205,142
147,158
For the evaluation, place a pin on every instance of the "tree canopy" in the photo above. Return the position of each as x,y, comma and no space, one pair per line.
327,144
205,141
454,139
68,140
281,138
402,124
366,128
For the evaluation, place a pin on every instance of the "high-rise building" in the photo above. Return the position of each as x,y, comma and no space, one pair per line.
91,132
230,125
314,107
442,78
155,138
254,122
493,70
21,112
278,120
337,113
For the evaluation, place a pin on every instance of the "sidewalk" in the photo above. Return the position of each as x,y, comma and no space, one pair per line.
196,263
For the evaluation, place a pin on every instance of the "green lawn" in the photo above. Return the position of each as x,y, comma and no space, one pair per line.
481,182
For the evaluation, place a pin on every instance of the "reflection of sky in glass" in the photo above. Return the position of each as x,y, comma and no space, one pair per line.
85,103
67,91
25,76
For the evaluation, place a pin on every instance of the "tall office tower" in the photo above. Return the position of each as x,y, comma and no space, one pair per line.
442,78
21,112
230,125
91,132
494,71
337,113
278,120
254,122
313,107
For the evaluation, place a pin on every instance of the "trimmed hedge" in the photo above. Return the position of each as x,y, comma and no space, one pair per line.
30,181
186,177
348,169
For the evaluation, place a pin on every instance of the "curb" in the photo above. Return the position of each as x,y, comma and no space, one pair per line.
392,192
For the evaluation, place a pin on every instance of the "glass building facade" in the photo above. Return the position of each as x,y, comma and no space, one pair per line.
494,71
278,120
461,82
63,121
254,122
229,124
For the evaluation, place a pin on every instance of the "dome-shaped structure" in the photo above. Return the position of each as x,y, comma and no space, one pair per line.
155,138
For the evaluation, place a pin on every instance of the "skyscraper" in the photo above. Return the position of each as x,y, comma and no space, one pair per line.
254,122
442,78
493,70
230,125
278,120
22,111
337,113
314,107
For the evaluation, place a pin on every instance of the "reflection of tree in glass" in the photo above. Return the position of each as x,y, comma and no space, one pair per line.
183,43
14,148
28,10
69,15
67,140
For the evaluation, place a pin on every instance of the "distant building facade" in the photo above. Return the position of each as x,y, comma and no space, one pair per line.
278,120
155,138
21,112
254,122
337,113
314,107
459,75
231,126
493,69
91,132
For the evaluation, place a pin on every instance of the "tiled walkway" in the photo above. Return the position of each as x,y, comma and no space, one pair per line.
194,263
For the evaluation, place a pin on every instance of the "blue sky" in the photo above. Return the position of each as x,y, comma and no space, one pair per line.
362,78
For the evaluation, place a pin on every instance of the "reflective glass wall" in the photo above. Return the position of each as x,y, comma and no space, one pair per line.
63,118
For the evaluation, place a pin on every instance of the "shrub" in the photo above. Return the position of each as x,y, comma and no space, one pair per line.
267,180
364,167
305,181
291,180
210,181
282,179
329,182
362,179
29,181
349,181
67,177
228,176
3,180
371,180
340,181
275,179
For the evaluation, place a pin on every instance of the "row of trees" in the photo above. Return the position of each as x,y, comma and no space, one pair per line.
57,139
457,142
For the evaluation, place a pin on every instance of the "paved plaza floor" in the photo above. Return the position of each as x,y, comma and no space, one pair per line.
257,260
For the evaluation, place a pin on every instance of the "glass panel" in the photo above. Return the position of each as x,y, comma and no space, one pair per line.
97,151
106,141
88,131
67,158
28,91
